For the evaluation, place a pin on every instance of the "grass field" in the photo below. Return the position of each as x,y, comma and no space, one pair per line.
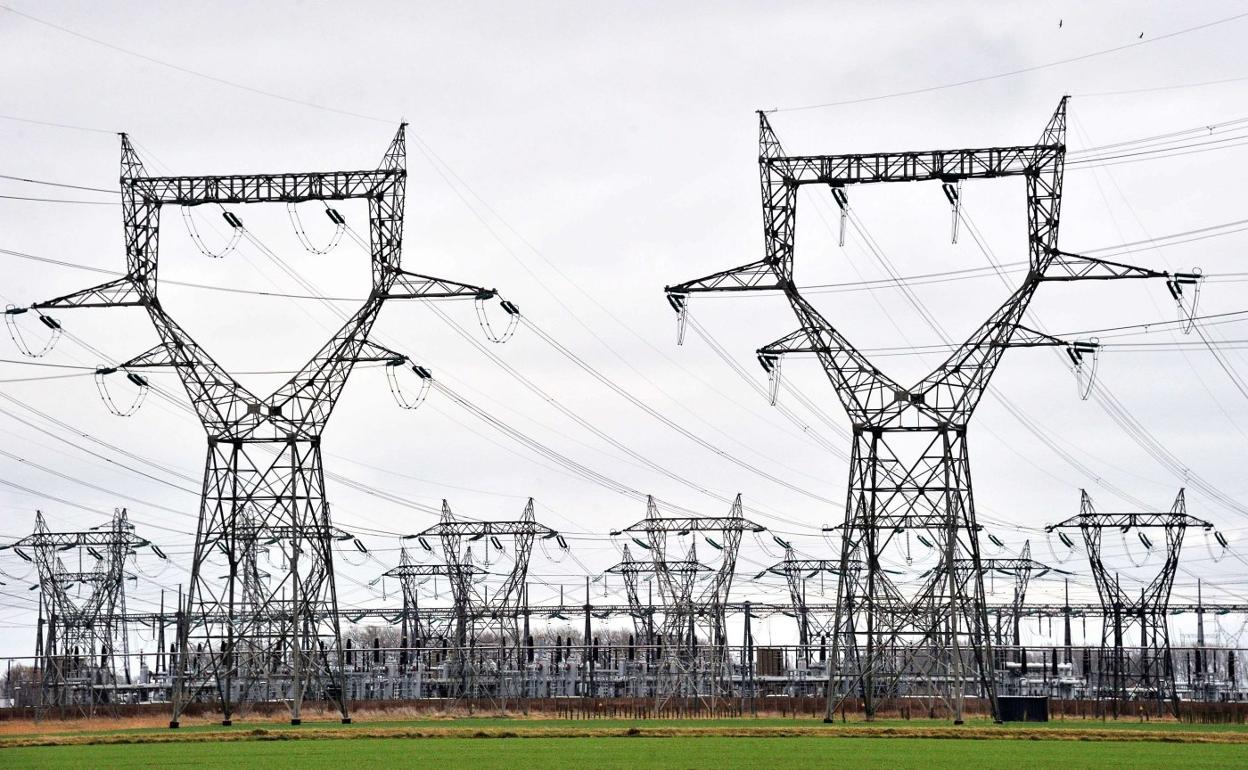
516,744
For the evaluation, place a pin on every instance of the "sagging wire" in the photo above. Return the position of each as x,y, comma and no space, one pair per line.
359,546
1221,538
236,234
483,318
396,390
680,303
1066,541
560,541
953,192
1085,373
1175,284
1148,547
842,202
771,364
15,332
997,542
137,379
340,227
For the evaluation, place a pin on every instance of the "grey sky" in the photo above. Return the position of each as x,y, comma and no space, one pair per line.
592,153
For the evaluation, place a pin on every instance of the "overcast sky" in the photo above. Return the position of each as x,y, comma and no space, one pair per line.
578,157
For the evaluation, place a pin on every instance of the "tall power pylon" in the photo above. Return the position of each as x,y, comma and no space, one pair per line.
264,452
909,465
1151,673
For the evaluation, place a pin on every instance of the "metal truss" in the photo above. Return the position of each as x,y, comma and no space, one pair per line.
501,619
264,452
1150,674
685,607
82,643
910,464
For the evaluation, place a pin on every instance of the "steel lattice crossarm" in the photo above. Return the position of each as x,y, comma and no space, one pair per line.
899,522
683,525
433,570
101,537
274,533
648,566
475,530
1008,566
1130,521
808,567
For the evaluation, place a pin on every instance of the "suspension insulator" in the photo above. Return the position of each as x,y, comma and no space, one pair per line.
513,318
680,303
842,201
396,390
15,331
236,234
340,227
953,192
101,385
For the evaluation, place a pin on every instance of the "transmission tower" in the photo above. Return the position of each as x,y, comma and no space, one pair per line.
416,626
1151,673
503,614
676,636
797,573
685,608
264,452
84,655
642,613
909,466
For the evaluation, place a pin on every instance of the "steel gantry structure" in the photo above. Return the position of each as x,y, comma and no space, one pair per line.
1151,672
910,465
264,452
82,642
685,606
502,619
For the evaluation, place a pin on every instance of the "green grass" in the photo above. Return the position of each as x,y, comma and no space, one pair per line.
627,753
522,724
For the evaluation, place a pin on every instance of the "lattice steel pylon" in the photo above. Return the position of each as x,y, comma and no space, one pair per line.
503,612
797,573
84,644
1151,673
264,452
684,608
909,465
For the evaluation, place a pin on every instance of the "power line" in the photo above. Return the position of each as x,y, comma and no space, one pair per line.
1019,71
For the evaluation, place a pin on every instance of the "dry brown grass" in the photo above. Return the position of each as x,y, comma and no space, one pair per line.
534,729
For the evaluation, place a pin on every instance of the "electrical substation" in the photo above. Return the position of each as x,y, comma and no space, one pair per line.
670,624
